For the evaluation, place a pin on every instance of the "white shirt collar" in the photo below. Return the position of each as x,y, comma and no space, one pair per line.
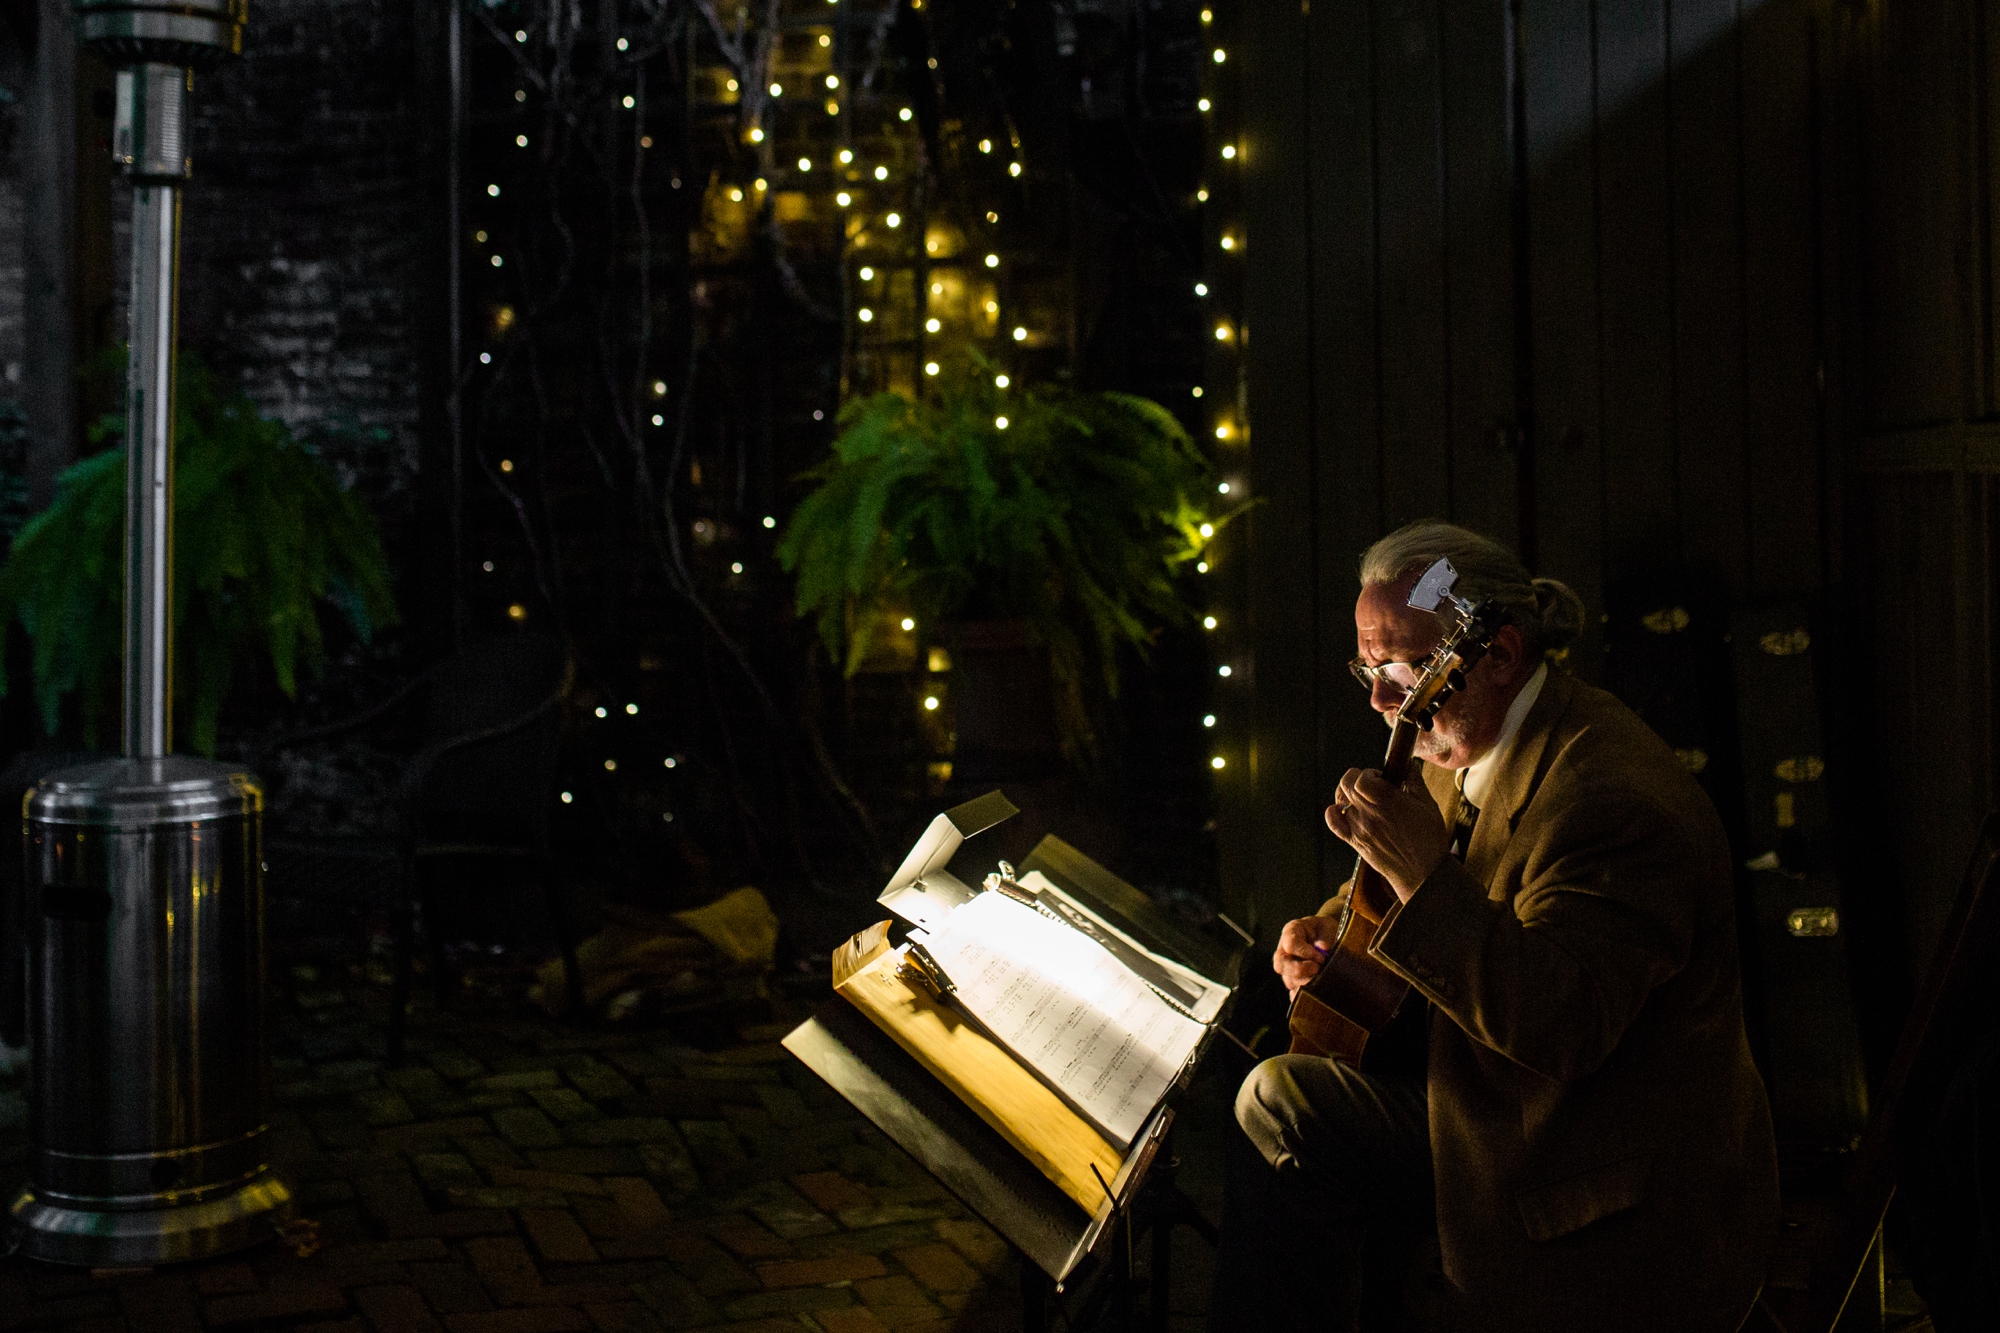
1476,781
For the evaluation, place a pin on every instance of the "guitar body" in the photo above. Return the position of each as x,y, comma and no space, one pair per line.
1354,996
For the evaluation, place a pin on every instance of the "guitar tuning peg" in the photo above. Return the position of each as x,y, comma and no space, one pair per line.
1424,722
1455,679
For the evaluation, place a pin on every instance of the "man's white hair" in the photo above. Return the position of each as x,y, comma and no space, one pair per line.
1548,614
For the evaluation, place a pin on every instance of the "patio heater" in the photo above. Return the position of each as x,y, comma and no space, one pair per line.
145,909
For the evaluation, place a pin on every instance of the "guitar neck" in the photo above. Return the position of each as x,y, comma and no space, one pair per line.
1372,895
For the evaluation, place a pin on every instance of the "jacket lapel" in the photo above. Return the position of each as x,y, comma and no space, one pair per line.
1514,785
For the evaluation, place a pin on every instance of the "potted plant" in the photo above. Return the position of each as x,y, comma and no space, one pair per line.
265,539
1057,518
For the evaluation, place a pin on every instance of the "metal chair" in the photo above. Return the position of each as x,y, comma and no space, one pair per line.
478,782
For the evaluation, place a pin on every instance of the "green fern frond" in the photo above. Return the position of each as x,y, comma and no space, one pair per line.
265,539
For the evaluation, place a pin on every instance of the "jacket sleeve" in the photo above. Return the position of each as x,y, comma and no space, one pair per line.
1607,911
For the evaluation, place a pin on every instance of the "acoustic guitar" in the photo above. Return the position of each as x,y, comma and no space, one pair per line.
1354,995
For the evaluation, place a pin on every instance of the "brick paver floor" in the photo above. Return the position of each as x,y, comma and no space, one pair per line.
518,1176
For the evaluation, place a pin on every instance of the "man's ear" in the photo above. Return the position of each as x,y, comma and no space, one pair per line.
1508,654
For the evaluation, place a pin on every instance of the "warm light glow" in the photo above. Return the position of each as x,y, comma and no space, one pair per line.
506,465
611,766
930,368
1208,16
1201,568
999,423
1204,104
659,388
672,762
1208,720
602,711
1215,762
904,114
825,40
630,101
908,624
517,612
1222,333
770,522
993,261
867,274
1201,289
493,191
486,358
1000,381
1197,391
567,798
1013,168
992,307
1207,529
931,702
985,145
894,220
736,567
761,183
520,141
833,80
1219,55
937,288
846,156
1222,432
1202,194
479,236
497,261
805,164
732,85
1224,670
865,315
1208,622
624,45
1229,242
881,173
832,107
1020,334
843,199
520,34
756,134
735,196
777,90
1229,152
932,325
631,710
1222,489
992,217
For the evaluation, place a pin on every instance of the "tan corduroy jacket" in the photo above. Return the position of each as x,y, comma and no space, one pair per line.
1601,1139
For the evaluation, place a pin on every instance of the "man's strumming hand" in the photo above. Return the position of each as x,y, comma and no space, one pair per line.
1399,831
1302,948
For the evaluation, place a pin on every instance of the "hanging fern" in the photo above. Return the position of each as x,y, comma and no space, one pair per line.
263,537
1074,517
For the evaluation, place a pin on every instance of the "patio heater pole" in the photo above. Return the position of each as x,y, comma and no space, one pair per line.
151,1084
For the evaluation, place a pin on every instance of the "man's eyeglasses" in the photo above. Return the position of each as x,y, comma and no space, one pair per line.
1401,677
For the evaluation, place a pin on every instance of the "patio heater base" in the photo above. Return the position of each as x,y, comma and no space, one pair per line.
102,1238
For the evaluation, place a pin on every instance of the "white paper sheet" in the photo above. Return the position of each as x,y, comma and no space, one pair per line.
1067,1007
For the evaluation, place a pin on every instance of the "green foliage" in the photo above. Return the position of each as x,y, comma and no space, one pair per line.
263,534
1075,517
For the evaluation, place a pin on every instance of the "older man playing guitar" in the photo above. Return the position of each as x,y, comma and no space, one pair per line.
1588,1130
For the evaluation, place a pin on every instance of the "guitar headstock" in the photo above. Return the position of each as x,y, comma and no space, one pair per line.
1469,632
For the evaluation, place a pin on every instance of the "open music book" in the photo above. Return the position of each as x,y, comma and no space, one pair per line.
1064,1004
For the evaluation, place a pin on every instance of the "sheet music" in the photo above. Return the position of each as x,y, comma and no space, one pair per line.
1067,1007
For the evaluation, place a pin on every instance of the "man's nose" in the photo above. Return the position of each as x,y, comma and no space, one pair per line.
1385,697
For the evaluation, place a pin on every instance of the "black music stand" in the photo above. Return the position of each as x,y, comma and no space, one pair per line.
971,1159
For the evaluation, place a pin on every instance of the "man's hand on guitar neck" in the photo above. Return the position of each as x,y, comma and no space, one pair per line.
1302,947
1399,831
